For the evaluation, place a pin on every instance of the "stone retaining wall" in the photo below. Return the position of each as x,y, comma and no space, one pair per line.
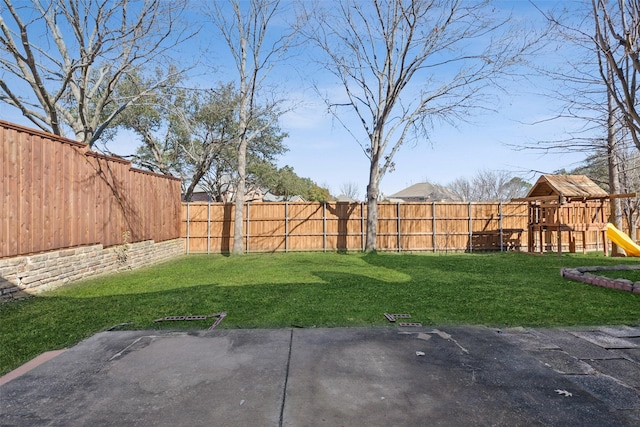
583,274
39,272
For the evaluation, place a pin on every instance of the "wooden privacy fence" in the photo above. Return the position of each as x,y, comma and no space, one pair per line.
58,194
333,226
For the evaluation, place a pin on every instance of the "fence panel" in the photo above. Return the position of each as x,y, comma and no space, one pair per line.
305,227
57,194
333,226
416,226
345,226
267,227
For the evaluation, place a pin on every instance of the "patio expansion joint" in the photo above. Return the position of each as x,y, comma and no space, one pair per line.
286,381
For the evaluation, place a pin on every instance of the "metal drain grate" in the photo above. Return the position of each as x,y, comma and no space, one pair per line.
394,317
219,317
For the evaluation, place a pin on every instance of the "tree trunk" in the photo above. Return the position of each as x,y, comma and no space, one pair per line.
615,215
238,233
372,206
84,135
243,124
612,162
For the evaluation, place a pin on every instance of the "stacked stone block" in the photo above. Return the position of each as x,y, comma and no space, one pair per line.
36,273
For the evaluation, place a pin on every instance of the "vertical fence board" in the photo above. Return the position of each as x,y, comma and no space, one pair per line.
84,196
48,181
26,199
64,183
37,189
10,174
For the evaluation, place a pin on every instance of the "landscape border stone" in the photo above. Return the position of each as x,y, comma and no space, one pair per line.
584,275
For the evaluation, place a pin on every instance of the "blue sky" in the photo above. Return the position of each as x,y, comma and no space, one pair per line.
322,150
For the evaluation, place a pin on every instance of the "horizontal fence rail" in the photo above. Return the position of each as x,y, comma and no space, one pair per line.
337,226
55,194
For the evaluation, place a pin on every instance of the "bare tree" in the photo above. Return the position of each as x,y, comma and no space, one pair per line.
350,189
627,180
617,38
487,185
597,166
463,187
65,58
630,182
404,64
589,90
613,160
244,27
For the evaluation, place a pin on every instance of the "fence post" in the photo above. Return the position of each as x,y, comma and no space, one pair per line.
501,230
470,230
433,214
362,234
209,227
286,227
597,234
188,227
247,235
324,226
398,225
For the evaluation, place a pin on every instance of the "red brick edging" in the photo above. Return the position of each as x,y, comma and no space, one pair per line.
33,363
583,274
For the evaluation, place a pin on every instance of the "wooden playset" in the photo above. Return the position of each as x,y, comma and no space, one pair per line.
570,207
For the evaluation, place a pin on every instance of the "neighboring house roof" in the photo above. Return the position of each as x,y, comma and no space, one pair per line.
199,189
344,198
270,197
201,194
425,191
567,186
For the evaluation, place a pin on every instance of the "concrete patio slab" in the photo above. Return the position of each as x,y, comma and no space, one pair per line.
621,331
575,345
313,377
604,340
563,363
621,369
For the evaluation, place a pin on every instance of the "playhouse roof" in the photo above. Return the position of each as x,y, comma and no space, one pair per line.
567,186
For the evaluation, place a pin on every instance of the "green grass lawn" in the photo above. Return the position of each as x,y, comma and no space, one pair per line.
317,290
633,275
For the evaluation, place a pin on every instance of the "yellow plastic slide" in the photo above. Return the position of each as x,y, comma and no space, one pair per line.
622,240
